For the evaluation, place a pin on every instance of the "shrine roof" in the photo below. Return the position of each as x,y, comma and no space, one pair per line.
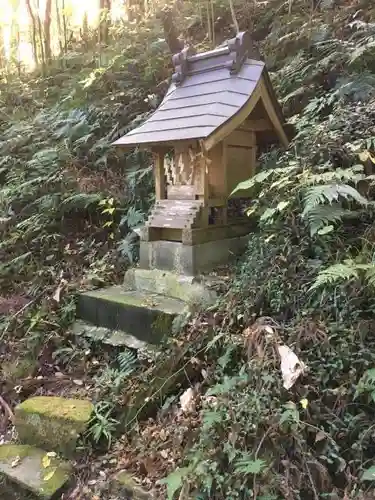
207,91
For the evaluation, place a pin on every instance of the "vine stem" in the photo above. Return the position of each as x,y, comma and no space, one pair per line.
256,456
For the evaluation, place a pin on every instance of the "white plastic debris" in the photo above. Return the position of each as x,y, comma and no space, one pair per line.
291,366
187,401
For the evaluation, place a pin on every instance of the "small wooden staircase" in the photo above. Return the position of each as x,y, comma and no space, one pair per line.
175,214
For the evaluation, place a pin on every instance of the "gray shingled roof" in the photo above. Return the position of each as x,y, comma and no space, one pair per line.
206,91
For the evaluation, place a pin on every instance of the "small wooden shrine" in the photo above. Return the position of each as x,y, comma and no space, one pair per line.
204,136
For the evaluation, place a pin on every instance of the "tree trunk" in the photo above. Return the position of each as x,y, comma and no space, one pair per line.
40,32
2,49
34,42
47,31
104,24
59,27
170,31
65,30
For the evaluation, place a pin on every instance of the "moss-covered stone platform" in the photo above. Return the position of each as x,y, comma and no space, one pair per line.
146,316
25,469
52,423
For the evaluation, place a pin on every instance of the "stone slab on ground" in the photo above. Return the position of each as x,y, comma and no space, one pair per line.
146,316
52,423
124,485
115,338
190,289
23,466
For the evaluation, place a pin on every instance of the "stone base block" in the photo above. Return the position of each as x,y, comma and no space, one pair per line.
25,469
52,423
146,316
189,260
189,289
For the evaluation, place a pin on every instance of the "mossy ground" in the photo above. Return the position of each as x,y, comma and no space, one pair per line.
52,423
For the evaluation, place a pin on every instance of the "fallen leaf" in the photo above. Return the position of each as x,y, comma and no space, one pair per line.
46,461
304,403
78,382
320,436
49,475
16,462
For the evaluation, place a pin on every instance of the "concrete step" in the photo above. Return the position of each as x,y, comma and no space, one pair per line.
52,423
145,316
25,469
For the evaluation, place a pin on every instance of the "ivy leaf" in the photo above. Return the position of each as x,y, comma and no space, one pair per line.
267,214
174,481
248,466
369,474
326,230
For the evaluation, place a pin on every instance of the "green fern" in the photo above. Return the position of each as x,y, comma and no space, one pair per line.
127,362
336,274
329,193
323,216
353,174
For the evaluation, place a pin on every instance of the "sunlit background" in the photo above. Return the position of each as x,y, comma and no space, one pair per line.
14,12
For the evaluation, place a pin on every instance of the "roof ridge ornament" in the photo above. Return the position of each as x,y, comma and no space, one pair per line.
240,47
180,63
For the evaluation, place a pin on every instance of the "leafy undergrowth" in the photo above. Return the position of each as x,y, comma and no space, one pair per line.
307,280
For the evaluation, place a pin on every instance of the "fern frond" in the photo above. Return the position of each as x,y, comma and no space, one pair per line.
321,194
324,215
353,174
127,361
337,273
80,201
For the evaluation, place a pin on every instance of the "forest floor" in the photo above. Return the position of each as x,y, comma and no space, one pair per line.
69,203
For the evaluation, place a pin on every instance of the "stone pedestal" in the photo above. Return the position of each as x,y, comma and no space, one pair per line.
189,260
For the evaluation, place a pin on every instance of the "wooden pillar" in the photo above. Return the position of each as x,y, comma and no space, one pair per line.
160,182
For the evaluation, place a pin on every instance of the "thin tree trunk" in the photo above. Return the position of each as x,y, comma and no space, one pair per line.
40,32
59,27
170,31
2,49
234,18
47,31
105,9
34,42
65,33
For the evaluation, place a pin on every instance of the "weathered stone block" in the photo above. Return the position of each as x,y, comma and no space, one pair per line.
22,470
52,423
146,316
104,335
190,289
125,486
189,260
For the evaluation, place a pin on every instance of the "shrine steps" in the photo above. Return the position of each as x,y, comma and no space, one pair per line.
175,214
145,316
144,310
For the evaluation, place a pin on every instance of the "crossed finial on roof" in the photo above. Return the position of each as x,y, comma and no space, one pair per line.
241,47
180,63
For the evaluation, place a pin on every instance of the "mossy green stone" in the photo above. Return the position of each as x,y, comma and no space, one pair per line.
23,465
146,316
53,423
